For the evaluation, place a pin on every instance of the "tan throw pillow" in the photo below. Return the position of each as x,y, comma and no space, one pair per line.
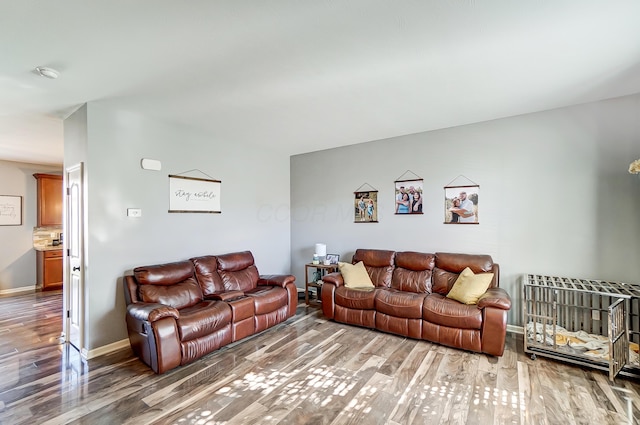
469,286
355,275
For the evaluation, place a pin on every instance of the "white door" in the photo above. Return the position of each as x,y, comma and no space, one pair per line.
73,240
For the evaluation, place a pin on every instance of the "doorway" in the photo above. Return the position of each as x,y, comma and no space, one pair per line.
74,287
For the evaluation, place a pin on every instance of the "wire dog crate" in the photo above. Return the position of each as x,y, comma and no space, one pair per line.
587,322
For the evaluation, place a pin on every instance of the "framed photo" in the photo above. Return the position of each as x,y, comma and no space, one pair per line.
366,207
194,195
333,258
461,204
10,210
408,196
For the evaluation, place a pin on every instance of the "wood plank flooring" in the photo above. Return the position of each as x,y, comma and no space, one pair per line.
305,371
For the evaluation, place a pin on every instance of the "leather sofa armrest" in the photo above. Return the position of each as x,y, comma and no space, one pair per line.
281,280
495,297
151,312
225,296
334,278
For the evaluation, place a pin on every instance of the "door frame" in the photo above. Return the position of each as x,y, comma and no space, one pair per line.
66,292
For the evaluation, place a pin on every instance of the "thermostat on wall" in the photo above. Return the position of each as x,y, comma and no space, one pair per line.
151,164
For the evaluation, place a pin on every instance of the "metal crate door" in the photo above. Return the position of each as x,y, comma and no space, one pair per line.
618,337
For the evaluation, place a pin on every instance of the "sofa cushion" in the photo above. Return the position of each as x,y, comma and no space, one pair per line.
469,287
379,264
268,298
235,261
395,303
416,261
179,295
206,269
443,311
203,319
359,299
442,281
456,263
413,272
238,271
355,275
163,274
411,281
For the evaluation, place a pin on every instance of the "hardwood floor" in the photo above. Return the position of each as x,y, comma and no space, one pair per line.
305,371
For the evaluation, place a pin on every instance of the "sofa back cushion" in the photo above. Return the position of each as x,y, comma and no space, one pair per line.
379,265
238,271
170,284
179,295
163,274
206,269
448,267
413,272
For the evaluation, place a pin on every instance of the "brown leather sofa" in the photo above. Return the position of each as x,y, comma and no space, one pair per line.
409,299
178,312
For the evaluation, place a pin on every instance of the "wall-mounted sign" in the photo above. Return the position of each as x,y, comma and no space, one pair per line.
195,195
10,210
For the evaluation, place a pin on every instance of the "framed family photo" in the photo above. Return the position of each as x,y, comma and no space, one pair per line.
408,196
461,204
366,207
333,258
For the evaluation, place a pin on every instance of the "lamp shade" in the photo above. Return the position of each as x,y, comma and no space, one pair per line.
321,250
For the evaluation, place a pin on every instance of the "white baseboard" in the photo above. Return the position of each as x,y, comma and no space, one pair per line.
106,349
16,290
515,329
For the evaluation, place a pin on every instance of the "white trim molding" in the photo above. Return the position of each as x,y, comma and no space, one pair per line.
106,349
515,329
31,288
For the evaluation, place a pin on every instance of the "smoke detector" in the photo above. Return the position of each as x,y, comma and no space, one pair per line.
50,73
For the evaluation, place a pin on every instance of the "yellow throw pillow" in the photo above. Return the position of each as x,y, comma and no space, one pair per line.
355,275
469,286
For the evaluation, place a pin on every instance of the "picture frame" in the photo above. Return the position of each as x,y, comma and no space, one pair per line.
10,210
409,196
194,195
461,204
333,258
366,207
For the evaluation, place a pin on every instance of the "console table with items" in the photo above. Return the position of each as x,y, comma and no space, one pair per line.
313,274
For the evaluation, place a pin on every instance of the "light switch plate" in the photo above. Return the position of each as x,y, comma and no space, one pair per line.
134,212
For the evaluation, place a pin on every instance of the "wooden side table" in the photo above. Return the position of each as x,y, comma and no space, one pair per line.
312,281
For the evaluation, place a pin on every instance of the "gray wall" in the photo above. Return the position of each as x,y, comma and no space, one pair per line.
17,257
255,181
555,195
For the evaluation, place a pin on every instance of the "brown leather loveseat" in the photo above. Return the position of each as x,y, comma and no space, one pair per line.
179,312
410,299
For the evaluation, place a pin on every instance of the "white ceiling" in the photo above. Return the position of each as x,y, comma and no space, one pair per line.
305,75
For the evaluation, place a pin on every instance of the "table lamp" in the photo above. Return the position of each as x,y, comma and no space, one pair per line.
321,252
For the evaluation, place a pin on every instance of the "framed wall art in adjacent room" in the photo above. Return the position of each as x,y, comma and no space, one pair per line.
10,210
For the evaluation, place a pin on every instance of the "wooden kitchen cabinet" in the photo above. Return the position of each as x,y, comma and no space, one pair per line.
50,199
49,269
